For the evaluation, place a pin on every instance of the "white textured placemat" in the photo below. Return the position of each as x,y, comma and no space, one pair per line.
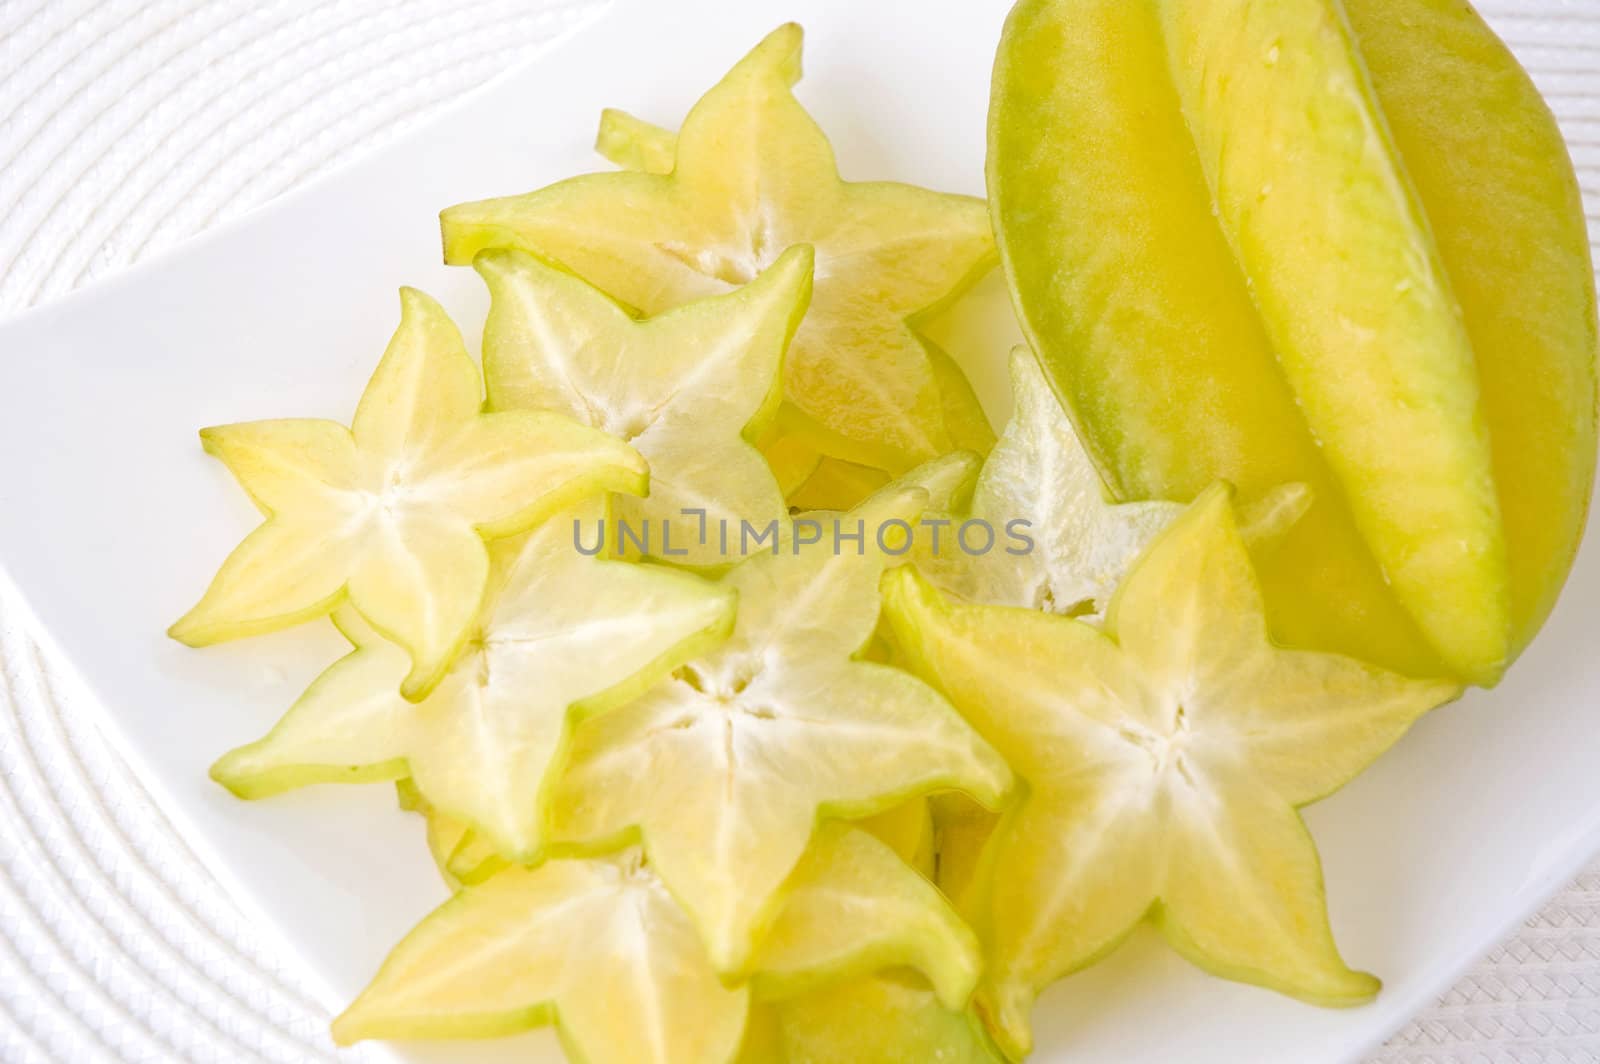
127,125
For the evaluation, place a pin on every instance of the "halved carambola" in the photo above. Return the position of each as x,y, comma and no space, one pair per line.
392,514
1339,244
752,175
598,947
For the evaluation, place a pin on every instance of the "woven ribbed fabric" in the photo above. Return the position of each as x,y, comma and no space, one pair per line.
128,125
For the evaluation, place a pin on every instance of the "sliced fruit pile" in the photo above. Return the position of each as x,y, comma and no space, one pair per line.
754,714
705,210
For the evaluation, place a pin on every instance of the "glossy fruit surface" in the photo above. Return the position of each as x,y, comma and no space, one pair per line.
1241,252
1039,531
392,514
883,1019
725,768
689,389
1164,758
1495,179
599,947
563,636
751,176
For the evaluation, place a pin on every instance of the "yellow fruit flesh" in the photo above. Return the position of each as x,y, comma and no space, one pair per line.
837,485
885,1019
851,908
562,637
554,343
962,828
791,460
752,175
635,144
1164,756
598,947
1220,313
724,769
963,414
907,829
393,513
594,946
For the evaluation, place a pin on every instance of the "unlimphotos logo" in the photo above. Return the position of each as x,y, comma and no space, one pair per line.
840,535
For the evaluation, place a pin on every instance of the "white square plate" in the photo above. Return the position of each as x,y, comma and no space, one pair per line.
112,521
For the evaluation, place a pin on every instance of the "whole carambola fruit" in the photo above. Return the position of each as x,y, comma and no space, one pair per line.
1333,243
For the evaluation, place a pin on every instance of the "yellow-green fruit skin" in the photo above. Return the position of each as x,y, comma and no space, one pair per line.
1218,250
1496,181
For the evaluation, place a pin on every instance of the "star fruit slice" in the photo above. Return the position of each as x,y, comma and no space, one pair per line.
689,389
635,144
444,833
813,481
598,947
563,637
1165,759
889,1018
792,461
834,484
1078,547
905,827
461,855
391,514
724,769
964,415
752,176
1054,541
852,908
837,485
908,830
961,830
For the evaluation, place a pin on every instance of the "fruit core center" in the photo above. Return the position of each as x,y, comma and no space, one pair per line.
392,486
626,425
1165,746
633,867
1070,605
736,263
629,870
725,686
734,266
389,500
